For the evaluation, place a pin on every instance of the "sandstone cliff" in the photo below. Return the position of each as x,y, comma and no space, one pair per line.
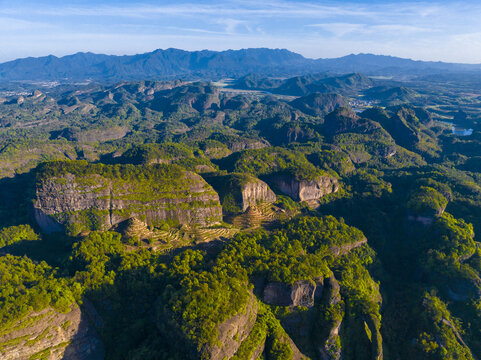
306,190
256,191
328,348
230,333
238,192
233,332
84,197
51,335
301,293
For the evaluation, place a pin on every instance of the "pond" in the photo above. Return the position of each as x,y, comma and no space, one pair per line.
461,131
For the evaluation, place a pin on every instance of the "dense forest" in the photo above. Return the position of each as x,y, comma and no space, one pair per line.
323,216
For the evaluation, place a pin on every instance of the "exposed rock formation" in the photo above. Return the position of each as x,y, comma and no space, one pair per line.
255,191
329,349
344,249
230,333
237,143
374,324
305,190
90,202
244,144
301,293
53,335
94,135
243,189
233,332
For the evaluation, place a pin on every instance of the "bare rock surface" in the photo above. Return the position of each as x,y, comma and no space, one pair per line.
53,335
301,293
233,332
256,191
306,190
104,202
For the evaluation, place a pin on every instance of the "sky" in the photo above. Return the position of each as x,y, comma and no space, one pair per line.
431,30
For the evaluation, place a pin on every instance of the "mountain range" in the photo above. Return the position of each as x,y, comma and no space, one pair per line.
206,64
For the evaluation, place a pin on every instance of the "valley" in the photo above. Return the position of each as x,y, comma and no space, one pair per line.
243,215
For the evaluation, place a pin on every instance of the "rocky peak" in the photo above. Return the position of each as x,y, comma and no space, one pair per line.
306,190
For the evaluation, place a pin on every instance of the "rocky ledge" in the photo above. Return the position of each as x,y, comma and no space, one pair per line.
242,190
306,190
52,335
84,197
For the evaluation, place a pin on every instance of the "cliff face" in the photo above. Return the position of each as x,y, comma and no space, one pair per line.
328,349
301,293
255,191
304,190
52,335
241,191
233,332
230,333
96,202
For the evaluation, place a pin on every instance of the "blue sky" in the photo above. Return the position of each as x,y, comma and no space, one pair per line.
431,30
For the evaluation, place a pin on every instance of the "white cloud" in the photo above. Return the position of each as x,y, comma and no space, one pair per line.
9,24
427,30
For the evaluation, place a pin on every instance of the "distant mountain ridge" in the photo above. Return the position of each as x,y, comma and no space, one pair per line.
206,64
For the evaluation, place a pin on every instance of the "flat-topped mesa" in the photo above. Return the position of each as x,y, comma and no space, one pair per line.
83,197
306,190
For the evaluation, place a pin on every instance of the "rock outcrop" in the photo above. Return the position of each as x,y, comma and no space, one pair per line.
52,335
374,324
242,189
84,198
256,191
94,135
233,332
237,143
306,190
329,348
229,335
300,293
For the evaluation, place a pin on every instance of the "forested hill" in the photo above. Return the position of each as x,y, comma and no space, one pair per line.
318,217
171,63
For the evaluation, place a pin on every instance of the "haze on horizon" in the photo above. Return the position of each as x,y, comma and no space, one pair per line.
431,30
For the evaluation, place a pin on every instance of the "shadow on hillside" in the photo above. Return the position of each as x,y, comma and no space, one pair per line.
16,208
86,343
124,314
16,196
54,248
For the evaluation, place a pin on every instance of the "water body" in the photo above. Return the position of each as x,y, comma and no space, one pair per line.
456,130
461,131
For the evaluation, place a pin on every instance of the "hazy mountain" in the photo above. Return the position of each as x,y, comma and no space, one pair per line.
159,64
317,104
307,84
392,95
169,63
